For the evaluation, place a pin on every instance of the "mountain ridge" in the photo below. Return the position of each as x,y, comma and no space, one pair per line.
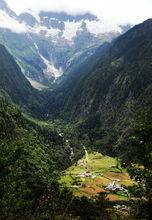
59,37
114,90
16,87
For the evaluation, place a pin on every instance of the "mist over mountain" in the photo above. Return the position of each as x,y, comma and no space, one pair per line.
5,7
75,110
46,46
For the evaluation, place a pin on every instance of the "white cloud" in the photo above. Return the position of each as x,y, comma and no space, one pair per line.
10,23
116,11
48,32
102,26
111,12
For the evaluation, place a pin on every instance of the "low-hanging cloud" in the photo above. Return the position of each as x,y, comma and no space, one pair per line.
116,11
11,24
112,13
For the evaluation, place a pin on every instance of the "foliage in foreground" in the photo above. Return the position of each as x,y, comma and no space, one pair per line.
31,158
29,165
140,144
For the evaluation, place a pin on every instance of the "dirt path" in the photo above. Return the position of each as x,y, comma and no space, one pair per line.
86,153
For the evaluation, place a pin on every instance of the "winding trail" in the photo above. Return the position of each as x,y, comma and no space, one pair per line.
86,153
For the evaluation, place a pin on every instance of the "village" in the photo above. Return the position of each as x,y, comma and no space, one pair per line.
113,186
96,173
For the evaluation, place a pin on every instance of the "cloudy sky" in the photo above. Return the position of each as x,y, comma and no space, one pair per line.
117,11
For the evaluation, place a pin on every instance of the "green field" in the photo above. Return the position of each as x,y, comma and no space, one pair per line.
101,170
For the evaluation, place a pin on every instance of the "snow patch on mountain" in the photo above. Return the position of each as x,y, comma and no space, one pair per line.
36,85
55,39
50,70
51,32
71,29
68,33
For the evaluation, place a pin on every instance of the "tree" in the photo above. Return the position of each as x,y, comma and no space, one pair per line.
141,146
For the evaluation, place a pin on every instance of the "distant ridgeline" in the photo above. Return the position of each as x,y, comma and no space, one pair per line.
105,93
47,45
96,104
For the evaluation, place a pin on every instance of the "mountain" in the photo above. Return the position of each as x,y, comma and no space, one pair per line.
5,7
28,19
14,84
12,80
46,45
56,20
94,105
111,88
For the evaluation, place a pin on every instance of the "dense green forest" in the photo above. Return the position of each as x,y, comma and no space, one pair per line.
102,104
32,157
106,93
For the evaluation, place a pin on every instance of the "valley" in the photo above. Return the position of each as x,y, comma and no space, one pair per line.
96,173
75,113
48,44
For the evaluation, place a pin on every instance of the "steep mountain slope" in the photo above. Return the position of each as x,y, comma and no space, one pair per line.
28,58
28,19
114,89
46,45
14,83
12,80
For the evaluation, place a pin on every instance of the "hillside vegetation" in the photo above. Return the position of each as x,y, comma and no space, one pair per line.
63,151
106,95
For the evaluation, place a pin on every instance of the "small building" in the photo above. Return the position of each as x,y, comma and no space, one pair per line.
114,187
87,174
121,207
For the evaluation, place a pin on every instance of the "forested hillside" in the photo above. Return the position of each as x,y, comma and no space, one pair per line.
101,107
111,90
18,88
32,155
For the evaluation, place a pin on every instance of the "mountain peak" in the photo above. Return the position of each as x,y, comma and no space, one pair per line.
63,16
148,22
28,19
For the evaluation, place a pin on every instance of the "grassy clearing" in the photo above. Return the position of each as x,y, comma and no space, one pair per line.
102,170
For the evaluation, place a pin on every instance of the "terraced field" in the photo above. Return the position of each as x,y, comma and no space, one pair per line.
95,173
